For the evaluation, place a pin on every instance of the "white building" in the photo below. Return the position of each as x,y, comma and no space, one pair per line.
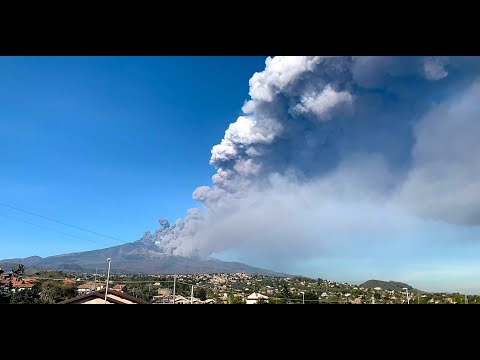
20,287
256,297
85,288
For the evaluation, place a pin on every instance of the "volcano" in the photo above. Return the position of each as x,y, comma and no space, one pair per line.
139,257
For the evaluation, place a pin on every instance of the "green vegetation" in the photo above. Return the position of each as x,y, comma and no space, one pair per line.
42,292
52,292
387,285
27,296
50,287
201,293
232,299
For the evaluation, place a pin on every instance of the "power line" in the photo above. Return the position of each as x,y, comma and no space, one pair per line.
47,228
61,222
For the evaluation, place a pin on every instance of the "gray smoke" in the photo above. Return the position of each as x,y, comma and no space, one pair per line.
173,239
331,147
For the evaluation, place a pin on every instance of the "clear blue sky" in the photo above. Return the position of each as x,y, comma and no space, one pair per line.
108,143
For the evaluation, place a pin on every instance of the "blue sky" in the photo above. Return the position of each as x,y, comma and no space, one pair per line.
347,168
108,143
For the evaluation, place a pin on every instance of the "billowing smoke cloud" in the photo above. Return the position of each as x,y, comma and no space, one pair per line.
444,180
175,238
434,68
335,151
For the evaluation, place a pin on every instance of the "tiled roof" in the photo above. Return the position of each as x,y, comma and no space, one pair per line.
29,286
86,286
100,294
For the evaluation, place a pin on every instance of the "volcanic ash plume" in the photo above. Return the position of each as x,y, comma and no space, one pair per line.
330,148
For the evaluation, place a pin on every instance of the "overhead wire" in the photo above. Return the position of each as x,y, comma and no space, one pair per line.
47,228
63,223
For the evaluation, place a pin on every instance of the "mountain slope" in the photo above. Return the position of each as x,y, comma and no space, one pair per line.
134,258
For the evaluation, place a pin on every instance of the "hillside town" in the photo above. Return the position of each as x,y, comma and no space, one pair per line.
51,287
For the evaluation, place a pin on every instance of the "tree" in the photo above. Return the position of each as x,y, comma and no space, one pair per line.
26,296
54,291
19,270
182,289
311,296
237,300
262,301
5,295
201,293
276,301
457,298
285,290
210,294
232,299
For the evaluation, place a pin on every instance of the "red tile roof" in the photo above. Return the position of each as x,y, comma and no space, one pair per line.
86,286
27,286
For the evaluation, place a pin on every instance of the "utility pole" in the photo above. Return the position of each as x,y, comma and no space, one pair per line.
108,275
95,281
466,299
191,296
408,300
418,298
174,284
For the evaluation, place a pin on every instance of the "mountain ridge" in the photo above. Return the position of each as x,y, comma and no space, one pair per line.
138,257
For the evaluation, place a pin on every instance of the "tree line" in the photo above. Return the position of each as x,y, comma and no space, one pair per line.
42,292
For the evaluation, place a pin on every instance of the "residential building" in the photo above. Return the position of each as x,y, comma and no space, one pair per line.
20,286
255,298
100,285
86,288
120,287
98,297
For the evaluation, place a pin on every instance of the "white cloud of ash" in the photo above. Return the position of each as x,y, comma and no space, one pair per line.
434,67
314,165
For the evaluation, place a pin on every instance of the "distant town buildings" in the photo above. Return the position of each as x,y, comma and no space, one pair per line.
238,288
